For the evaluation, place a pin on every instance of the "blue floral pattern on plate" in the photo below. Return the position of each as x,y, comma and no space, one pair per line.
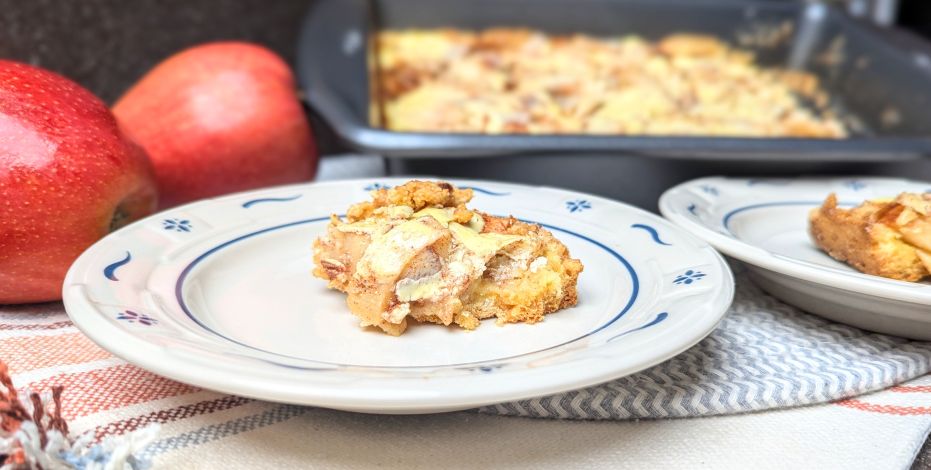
376,186
689,277
133,317
578,205
855,185
486,369
708,189
177,225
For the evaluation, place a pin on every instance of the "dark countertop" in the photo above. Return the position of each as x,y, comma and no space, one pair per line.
923,461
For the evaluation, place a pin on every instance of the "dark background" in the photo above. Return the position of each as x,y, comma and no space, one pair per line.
916,15
106,45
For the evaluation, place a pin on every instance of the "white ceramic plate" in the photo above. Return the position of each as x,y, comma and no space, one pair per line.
764,222
219,294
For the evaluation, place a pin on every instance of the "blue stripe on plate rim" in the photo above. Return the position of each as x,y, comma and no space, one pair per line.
726,220
496,363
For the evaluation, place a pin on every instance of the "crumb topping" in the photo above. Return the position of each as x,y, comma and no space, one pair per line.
415,195
521,81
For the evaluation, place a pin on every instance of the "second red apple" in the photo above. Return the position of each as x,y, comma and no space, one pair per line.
219,118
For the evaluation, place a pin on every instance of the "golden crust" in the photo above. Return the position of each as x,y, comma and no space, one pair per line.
449,266
878,237
414,194
514,80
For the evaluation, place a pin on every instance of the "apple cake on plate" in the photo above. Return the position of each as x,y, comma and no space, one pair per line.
883,237
417,252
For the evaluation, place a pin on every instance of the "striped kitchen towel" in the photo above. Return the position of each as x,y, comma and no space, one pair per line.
765,354
205,430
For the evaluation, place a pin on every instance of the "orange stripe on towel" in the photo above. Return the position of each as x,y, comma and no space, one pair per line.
34,326
911,389
885,409
114,387
25,353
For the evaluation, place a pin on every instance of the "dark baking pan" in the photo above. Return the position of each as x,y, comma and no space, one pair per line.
880,80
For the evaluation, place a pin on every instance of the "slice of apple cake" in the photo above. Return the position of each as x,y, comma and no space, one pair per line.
416,251
883,237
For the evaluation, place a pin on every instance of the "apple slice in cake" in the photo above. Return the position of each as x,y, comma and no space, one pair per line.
416,251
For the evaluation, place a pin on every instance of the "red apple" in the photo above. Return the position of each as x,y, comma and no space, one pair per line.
68,176
219,118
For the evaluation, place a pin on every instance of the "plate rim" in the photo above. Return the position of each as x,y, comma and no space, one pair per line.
852,281
115,339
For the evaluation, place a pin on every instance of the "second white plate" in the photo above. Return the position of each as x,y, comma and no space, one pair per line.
764,223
